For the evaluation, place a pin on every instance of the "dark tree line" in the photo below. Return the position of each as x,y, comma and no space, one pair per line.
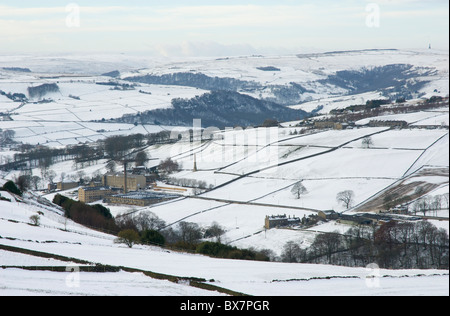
93,216
358,112
147,228
44,157
115,148
393,245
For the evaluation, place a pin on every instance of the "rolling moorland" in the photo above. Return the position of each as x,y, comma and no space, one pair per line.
373,123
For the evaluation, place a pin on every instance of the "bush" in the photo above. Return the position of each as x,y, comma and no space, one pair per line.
152,237
35,220
169,166
12,188
214,249
128,237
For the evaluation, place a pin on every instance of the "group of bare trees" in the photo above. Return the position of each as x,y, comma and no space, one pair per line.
183,235
393,245
43,157
189,183
346,197
352,114
114,148
147,228
429,204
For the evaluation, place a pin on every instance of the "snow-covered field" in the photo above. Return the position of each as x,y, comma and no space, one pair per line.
364,170
257,278
16,282
59,133
252,173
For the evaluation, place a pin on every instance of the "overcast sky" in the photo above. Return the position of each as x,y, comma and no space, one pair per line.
226,27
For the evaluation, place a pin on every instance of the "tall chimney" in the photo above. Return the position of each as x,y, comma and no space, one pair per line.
125,188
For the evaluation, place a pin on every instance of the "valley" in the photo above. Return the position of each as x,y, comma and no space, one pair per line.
249,138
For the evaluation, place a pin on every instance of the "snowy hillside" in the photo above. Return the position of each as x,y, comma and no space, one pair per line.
57,236
240,207
314,82
394,154
311,74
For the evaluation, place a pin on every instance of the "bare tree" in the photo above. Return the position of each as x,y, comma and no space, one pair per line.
51,175
81,174
35,181
23,182
189,233
445,198
367,142
422,205
148,221
299,189
63,176
436,203
111,166
291,252
326,244
216,231
35,220
346,197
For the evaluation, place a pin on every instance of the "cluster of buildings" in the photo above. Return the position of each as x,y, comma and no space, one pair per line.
332,125
125,189
358,219
139,198
365,219
277,221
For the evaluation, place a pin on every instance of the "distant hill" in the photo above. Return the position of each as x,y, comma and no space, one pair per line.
16,69
114,74
218,108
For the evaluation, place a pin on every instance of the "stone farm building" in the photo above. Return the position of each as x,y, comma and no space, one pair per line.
62,186
355,219
281,221
93,194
